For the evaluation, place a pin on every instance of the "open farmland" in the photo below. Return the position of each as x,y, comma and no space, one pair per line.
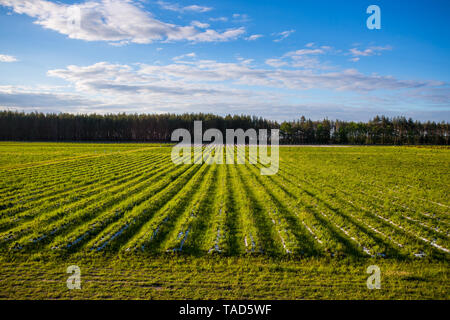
385,205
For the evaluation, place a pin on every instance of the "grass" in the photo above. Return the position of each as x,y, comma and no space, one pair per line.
140,227
173,276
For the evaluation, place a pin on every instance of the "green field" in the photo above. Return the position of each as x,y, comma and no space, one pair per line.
140,227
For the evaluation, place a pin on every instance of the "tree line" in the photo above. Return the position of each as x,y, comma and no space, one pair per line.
379,130
20,126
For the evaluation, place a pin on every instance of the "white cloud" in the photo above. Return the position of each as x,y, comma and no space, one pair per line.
283,35
154,88
305,58
222,19
208,79
241,17
199,24
302,52
120,43
187,55
370,51
232,87
178,8
42,98
244,61
254,37
7,58
196,8
210,35
276,62
53,99
115,21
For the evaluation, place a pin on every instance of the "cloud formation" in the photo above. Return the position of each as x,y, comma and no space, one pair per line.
178,8
44,99
370,51
254,37
52,100
115,21
283,35
199,85
7,58
305,58
222,19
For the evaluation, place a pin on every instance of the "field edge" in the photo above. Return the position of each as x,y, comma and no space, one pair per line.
178,277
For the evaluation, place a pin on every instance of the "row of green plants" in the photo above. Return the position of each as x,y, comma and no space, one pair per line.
322,202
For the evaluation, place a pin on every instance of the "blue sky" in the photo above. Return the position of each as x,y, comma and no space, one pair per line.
276,59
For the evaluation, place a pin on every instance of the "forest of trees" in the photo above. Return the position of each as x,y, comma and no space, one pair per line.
20,126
